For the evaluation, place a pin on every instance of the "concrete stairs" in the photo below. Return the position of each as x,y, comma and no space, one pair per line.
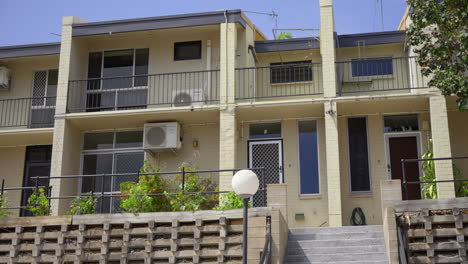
337,245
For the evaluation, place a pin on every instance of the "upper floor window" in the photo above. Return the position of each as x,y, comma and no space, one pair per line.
120,64
189,50
372,67
293,71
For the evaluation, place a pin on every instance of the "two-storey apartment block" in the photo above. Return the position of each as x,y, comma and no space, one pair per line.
330,116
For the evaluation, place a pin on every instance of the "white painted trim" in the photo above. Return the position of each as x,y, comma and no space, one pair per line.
318,160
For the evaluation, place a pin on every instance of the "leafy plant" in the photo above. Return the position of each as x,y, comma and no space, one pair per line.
141,196
192,197
230,200
83,205
4,203
38,203
439,36
429,190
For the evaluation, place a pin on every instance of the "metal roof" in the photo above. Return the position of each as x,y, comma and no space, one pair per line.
161,22
30,50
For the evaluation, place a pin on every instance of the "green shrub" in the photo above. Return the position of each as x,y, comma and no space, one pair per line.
230,200
4,203
38,203
83,205
140,199
192,197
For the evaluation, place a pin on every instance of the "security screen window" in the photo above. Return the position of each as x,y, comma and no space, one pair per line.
401,123
308,157
372,67
265,130
43,104
292,71
190,50
358,154
111,153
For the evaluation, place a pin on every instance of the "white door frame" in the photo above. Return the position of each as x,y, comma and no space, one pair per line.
280,153
387,136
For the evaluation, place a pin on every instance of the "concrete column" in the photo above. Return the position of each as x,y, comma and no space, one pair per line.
58,152
228,35
277,197
441,145
327,48
390,191
333,165
227,146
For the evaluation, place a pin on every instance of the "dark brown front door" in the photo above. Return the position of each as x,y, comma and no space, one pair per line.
405,148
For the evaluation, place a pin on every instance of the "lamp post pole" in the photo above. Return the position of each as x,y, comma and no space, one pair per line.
245,230
245,184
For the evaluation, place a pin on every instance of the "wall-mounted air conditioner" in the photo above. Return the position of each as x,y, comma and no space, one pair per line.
4,78
160,137
187,97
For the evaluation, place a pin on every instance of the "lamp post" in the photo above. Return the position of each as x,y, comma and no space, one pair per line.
245,184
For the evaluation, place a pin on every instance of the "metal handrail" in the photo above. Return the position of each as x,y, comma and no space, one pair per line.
265,256
405,182
143,75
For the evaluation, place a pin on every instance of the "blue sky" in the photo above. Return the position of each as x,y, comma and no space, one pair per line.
32,21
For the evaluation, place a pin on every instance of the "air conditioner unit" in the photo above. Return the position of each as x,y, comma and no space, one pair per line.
4,78
160,137
187,97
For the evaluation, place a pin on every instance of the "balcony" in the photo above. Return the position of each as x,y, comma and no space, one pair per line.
144,91
379,76
279,82
36,112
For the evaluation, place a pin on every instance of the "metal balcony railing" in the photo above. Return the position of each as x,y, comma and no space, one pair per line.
275,81
143,91
37,112
365,76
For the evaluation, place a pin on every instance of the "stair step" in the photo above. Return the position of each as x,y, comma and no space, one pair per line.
310,244
336,250
338,262
343,229
336,236
313,258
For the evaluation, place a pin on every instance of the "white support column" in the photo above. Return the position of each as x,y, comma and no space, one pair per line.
227,115
333,165
441,145
327,48
61,140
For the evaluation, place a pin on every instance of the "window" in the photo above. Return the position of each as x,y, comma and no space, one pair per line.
308,157
265,130
372,67
190,50
358,154
43,102
293,71
111,153
401,123
117,79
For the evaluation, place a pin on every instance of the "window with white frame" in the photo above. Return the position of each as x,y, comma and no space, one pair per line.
44,92
358,154
110,153
117,79
401,123
308,157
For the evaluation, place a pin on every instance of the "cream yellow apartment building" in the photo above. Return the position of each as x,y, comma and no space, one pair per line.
330,116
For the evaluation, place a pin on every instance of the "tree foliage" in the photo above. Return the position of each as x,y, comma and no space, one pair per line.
439,34
285,35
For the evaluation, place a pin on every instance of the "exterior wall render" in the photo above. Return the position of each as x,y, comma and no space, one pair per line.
12,159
